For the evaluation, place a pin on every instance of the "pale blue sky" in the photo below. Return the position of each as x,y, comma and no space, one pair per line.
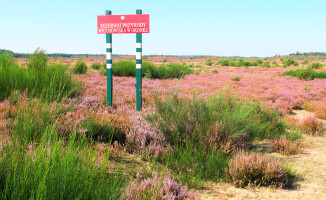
205,27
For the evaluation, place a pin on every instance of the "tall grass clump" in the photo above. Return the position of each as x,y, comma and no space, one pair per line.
56,169
203,132
80,67
47,82
306,74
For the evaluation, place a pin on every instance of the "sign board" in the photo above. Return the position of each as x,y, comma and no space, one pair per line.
119,24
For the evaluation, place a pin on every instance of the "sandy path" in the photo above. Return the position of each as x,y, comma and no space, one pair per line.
310,165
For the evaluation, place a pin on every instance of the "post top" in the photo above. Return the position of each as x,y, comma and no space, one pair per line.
108,12
138,11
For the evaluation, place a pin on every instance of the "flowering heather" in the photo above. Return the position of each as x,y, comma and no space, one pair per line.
143,138
313,126
285,146
158,187
255,169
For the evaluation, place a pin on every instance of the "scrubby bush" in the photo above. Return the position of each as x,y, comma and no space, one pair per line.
267,64
313,126
103,72
96,65
224,62
275,64
289,61
315,65
305,61
157,187
48,83
208,62
128,68
255,169
306,74
80,67
203,132
217,121
285,146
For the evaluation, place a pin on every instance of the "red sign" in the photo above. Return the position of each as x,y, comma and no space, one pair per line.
111,24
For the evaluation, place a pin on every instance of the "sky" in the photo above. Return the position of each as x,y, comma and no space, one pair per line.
184,27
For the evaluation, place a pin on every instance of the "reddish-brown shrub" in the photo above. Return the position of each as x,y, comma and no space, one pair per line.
313,126
285,146
158,187
255,169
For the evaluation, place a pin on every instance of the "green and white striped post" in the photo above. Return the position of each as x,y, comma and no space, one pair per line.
138,68
109,64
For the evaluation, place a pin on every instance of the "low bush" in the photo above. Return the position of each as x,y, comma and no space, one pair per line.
275,64
49,83
315,65
285,146
216,121
208,62
289,61
157,187
313,126
254,169
305,62
96,65
306,74
128,68
80,67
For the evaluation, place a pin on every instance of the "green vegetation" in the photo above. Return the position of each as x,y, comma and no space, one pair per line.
237,78
202,133
208,62
47,82
306,74
96,65
56,169
315,65
288,62
128,68
80,67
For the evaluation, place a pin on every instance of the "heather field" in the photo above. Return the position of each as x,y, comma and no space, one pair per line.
210,128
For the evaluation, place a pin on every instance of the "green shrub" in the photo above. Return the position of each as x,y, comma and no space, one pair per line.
96,65
224,62
208,62
275,64
267,64
305,61
202,132
183,120
289,61
80,67
315,65
50,83
128,68
306,74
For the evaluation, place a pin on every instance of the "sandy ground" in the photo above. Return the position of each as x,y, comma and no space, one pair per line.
310,165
